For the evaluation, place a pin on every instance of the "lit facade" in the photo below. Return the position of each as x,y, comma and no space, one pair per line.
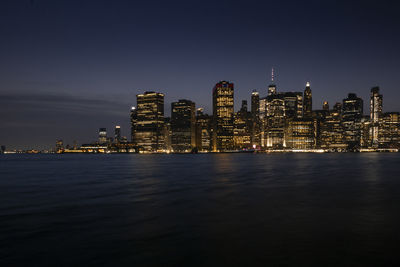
167,133
272,89
375,114
203,131
365,138
117,134
307,102
293,104
389,130
255,117
331,131
183,126
133,116
262,117
300,133
242,128
223,116
274,121
149,130
102,136
351,120
274,110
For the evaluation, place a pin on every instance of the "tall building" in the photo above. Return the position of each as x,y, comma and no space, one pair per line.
2,149
242,128
352,107
223,114
320,116
149,129
133,116
351,120
389,130
255,116
274,121
203,131
262,116
255,103
293,104
183,126
167,132
300,133
102,136
365,138
117,134
307,102
375,115
331,130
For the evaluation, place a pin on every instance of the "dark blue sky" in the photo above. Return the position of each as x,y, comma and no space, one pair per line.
70,67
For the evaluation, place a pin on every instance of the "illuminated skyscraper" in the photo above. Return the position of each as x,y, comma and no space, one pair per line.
389,130
102,136
223,114
203,131
255,103
365,138
133,125
117,134
167,132
149,130
307,106
300,133
262,120
320,116
331,130
183,126
293,104
242,128
255,116
274,121
375,115
351,120
275,110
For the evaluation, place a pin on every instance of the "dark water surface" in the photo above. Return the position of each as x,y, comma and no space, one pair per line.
203,210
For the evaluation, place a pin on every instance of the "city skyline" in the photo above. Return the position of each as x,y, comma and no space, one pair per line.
73,76
263,93
277,121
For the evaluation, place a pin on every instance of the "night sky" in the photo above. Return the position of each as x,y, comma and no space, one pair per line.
70,67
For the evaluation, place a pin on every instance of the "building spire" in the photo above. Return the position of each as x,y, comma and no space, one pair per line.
272,75
272,86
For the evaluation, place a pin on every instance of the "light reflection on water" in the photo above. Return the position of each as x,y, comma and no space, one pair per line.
209,209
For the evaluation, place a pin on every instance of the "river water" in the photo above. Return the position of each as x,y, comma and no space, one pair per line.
200,210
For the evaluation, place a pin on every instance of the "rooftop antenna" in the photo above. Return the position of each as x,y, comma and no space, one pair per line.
272,75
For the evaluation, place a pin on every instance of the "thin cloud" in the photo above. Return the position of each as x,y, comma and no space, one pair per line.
61,102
